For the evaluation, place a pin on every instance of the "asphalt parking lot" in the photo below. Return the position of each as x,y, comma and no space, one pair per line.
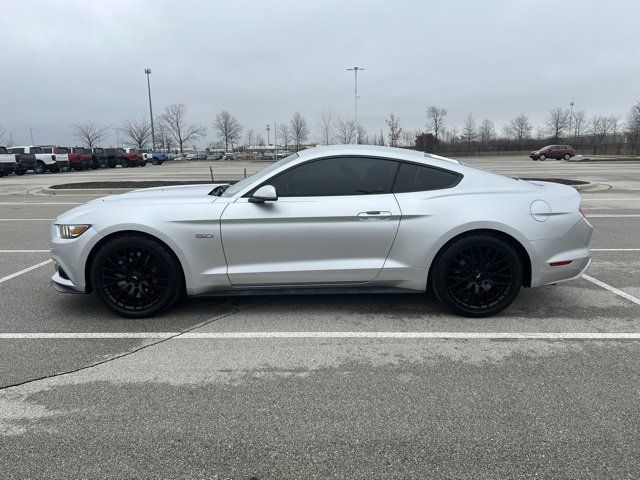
349,386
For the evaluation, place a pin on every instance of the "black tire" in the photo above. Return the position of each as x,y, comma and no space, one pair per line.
125,165
2,173
112,164
477,276
54,169
20,171
567,156
39,167
143,164
542,158
136,276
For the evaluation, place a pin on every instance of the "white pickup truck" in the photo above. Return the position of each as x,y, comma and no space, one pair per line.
7,162
51,162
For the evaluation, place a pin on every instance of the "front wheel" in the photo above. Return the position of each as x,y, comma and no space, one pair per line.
136,276
542,158
477,276
39,168
567,156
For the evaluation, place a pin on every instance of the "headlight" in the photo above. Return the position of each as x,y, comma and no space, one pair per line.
72,231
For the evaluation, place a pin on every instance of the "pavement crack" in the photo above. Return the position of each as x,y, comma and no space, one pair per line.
136,350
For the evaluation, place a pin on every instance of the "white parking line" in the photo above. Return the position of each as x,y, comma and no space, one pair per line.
612,215
24,251
40,203
277,335
615,249
606,286
25,219
28,269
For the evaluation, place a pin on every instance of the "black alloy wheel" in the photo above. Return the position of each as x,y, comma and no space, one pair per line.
136,276
478,276
39,168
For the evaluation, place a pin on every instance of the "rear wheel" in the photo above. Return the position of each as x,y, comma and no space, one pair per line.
477,276
136,276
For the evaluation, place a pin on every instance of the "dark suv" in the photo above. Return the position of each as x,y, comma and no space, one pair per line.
558,152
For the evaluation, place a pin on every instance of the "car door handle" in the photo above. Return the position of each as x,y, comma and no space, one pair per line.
374,215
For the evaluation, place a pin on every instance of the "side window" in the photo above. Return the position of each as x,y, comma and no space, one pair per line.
16,150
419,178
46,150
337,176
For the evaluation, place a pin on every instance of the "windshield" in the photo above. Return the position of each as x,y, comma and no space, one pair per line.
3,150
61,150
235,188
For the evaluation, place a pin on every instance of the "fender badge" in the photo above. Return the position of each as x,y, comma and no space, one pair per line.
204,235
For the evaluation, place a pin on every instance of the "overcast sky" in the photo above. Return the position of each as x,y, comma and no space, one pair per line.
72,61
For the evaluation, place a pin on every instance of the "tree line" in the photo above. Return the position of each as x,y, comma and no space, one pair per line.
173,131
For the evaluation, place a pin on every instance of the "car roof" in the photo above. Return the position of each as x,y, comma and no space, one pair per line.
377,151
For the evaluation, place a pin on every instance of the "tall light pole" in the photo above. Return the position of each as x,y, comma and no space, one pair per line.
355,71
570,117
31,133
268,129
147,72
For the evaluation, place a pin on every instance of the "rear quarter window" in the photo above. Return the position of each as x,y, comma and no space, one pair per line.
419,178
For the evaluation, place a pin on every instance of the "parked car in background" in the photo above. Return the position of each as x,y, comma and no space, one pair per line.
558,152
115,157
196,156
134,158
44,161
98,157
7,162
24,161
268,155
179,157
229,156
80,158
282,154
215,156
148,155
61,156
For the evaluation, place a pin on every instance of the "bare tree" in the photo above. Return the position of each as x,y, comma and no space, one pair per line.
486,131
299,130
88,133
435,120
137,133
603,127
408,138
632,123
558,122
250,139
363,138
579,124
616,123
452,135
284,132
174,120
469,132
228,129
260,141
395,130
326,124
518,129
345,131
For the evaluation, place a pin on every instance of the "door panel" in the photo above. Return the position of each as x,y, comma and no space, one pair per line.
309,240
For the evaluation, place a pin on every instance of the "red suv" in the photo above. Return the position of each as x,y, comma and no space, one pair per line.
558,152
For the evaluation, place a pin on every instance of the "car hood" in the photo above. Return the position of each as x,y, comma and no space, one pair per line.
177,193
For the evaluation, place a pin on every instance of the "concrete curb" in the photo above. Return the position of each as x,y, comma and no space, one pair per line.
583,159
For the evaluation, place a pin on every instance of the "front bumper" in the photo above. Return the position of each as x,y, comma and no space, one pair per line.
69,258
63,285
573,246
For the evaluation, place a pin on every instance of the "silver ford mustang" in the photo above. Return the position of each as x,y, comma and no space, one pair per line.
332,219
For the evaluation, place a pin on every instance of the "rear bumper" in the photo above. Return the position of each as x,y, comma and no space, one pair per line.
573,247
7,167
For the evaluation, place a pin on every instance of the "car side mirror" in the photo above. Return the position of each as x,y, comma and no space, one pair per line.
266,193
